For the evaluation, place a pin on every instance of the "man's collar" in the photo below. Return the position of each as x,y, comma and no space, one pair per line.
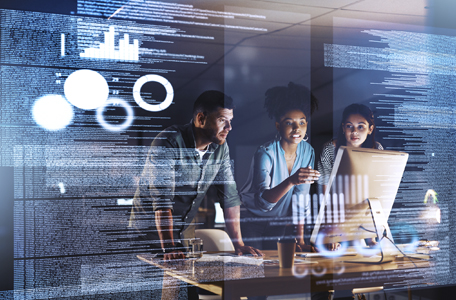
191,129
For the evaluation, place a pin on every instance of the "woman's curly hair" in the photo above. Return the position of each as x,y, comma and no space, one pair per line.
282,99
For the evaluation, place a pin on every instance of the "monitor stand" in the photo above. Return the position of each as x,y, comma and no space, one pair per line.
388,251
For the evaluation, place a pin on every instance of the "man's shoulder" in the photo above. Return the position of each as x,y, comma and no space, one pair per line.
176,135
174,131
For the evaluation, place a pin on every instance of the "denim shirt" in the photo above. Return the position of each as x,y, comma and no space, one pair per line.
269,169
176,177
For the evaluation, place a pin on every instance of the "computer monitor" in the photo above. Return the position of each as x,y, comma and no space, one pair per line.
360,195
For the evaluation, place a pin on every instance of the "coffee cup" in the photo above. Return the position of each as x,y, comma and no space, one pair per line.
286,248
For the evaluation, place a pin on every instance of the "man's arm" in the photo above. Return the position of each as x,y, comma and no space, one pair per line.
233,226
164,224
161,185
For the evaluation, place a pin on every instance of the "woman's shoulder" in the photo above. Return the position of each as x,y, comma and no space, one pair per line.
329,145
267,148
305,145
379,146
269,145
305,148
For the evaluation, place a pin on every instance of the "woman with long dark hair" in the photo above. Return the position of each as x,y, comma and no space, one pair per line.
357,129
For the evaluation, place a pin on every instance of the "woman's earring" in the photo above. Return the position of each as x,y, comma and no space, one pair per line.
278,136
306,137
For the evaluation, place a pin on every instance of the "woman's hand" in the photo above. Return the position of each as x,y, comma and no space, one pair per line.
371,242
302,247
329,247
304,175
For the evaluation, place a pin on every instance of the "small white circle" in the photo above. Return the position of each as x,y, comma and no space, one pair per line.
86,89
110,127
52,112
153,78
318,271
300,271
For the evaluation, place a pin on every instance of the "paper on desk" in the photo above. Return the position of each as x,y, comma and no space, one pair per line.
321,255
296,261
231,259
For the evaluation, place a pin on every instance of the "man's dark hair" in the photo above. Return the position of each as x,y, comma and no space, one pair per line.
210,101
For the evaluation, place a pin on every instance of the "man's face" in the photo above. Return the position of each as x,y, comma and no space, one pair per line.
217,125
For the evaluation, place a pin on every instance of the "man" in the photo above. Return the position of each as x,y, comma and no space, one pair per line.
182,163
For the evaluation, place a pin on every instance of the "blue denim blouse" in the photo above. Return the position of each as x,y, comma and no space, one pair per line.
268,169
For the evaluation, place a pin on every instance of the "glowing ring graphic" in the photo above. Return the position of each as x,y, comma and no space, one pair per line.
318,273
154,78
339,269
321,247
413,243
110,127
297,273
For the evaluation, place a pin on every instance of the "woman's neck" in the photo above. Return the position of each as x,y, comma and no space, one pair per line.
289,149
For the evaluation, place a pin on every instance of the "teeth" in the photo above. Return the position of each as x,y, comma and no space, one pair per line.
296,135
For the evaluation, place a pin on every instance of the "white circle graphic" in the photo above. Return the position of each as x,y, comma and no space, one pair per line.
52,112
153,78
86,89
111,127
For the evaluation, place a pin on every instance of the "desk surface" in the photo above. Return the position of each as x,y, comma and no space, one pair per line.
312,274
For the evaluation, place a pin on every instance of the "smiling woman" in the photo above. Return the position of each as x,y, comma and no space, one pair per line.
281,172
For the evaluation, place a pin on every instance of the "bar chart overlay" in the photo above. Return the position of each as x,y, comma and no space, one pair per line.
107,50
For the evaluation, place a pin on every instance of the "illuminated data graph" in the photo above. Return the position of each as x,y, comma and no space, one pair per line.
107,50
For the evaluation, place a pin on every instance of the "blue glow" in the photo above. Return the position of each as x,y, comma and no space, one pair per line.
373,250
321,247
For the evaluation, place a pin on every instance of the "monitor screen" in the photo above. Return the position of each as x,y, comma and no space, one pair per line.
358,175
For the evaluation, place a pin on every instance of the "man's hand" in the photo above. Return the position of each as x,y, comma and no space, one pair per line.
173,255
232,215
239,250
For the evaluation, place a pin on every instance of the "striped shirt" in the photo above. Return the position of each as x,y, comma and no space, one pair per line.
326,161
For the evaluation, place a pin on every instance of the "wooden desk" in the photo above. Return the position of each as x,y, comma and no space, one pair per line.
232,281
